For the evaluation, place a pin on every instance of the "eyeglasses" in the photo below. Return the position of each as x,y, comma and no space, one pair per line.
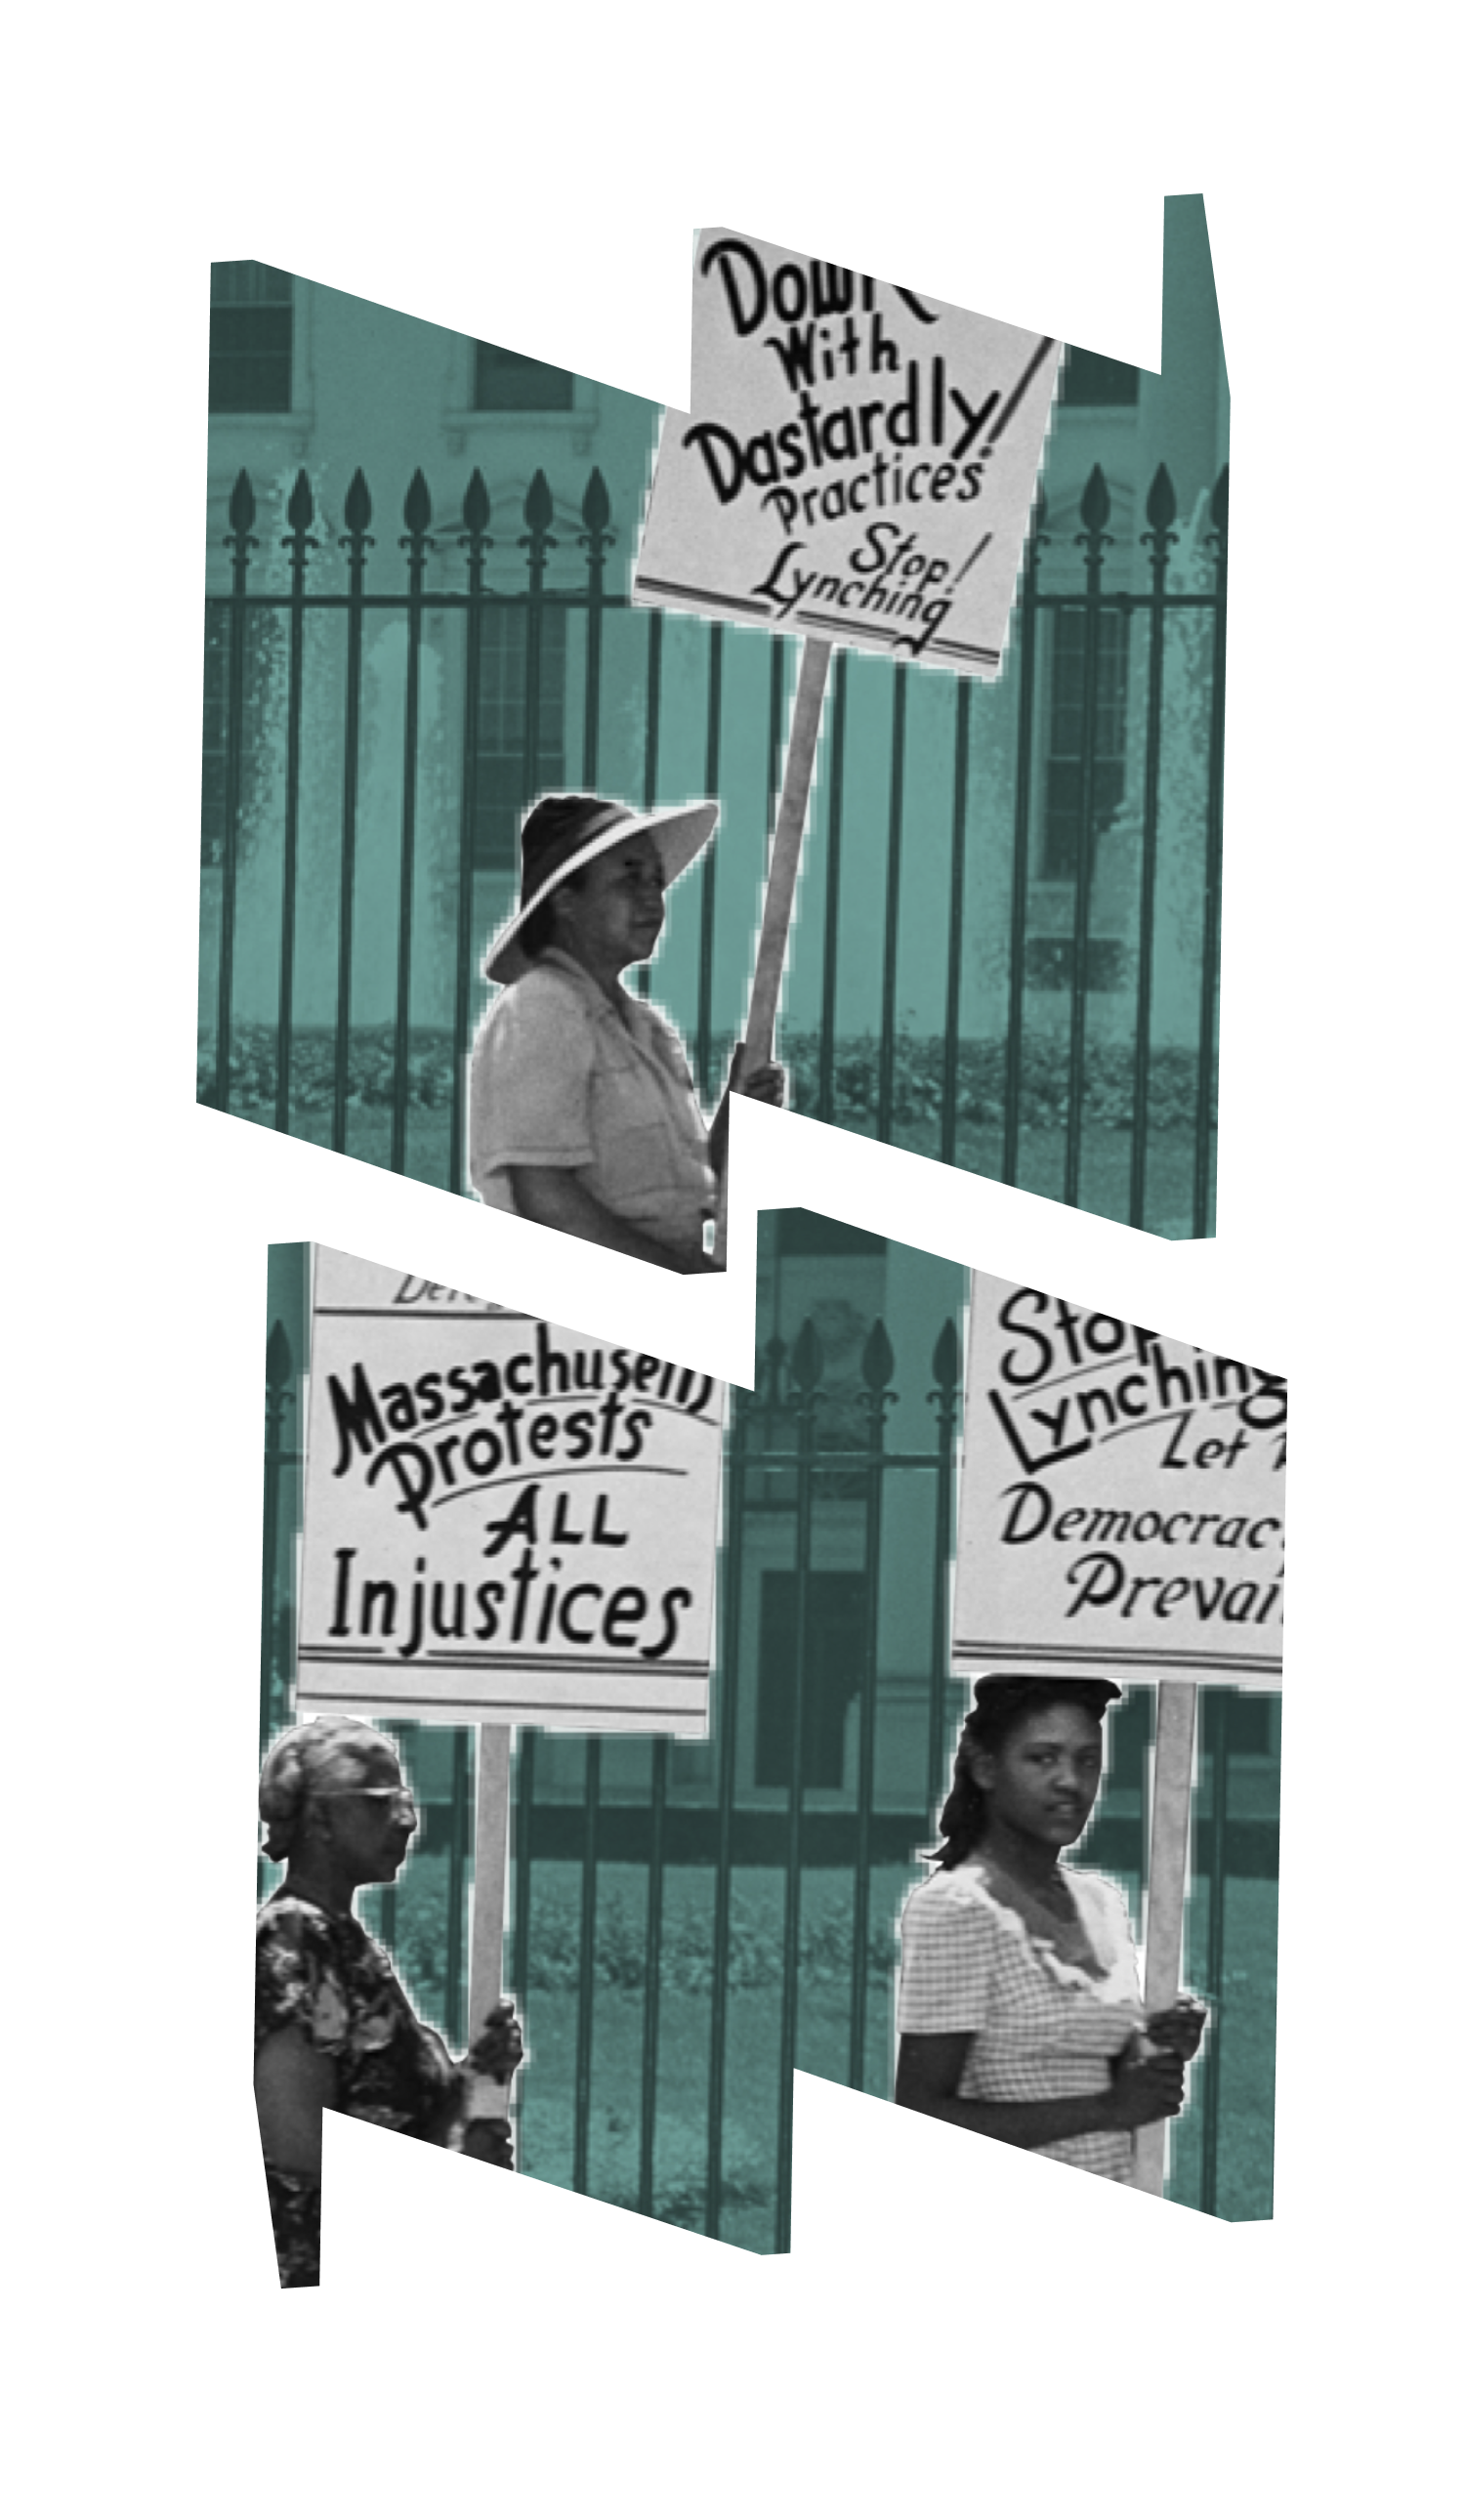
397,1795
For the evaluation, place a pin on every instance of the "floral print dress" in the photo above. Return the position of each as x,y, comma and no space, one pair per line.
324,1976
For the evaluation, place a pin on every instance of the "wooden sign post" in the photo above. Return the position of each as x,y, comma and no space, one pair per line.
859,465
1121,1511
783,873
491,1817
503,1523
1165,1887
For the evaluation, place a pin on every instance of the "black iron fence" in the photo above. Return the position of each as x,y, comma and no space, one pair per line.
1046,851
690,1922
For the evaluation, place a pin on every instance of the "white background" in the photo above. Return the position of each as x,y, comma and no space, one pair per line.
961,2328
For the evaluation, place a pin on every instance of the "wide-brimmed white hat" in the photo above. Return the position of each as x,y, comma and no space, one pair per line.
564,833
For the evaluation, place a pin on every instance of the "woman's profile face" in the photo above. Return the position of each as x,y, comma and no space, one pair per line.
371,1814
1043,1780
614,915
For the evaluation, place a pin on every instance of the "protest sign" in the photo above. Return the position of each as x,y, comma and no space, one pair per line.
1120,1512
859,463
1122,1498
502,1521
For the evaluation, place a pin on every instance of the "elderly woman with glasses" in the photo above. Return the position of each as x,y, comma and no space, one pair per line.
332,2028
581,1108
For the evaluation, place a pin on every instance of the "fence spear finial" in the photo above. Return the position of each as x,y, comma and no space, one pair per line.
1160,507
476,508
877,1358
358,503
417,507
947,1357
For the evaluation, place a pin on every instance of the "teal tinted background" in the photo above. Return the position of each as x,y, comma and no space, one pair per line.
1005,953
667,1976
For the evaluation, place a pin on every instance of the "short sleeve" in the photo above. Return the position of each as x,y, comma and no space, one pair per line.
529,1084
946,1962
298,1980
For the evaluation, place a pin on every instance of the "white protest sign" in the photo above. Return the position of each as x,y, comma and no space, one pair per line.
504,1521
858,464
1122,1498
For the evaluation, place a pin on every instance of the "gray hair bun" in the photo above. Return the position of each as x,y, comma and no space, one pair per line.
303,1761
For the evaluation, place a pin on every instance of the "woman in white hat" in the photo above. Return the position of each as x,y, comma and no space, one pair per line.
581,1107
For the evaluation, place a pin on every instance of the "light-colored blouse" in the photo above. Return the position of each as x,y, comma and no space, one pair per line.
563,1077
1039,2028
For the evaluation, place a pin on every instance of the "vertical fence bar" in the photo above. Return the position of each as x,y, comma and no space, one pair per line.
655,627
355,543
1094,509
1160,509
475,541
726,1711
596,517
652,2010
1013,1080
946,1373
950,1065
1218,1705
523,1848
458,1826
280,1368
654,630
774,750
877,1364
885,1093
298,542
386,1912
539,516
806,1365
241,542
585,2009
417,542
1206,1063
708,903
825,1105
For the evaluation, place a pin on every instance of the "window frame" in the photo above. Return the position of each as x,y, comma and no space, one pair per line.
237,310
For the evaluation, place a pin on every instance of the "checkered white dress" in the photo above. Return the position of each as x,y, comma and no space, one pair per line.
1039,2028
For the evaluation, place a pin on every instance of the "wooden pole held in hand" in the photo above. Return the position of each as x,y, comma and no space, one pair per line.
490,1877
783,859
783,868
1166,1901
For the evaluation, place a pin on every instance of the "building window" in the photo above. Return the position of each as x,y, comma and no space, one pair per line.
1250,1719
501,795
834,1660
507,380
1093,383
252,321
798,1232
1063,768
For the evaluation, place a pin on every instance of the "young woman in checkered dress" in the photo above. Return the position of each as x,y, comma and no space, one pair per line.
1019,2012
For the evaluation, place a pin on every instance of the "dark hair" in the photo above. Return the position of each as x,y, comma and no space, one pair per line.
538,929
1002,1703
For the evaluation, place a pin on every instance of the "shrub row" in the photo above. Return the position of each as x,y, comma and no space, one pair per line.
918,1076
755,1953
